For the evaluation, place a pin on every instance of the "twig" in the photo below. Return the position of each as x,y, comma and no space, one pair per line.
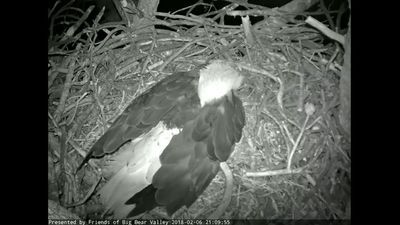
151,51
254,12
99,48
248,30
228,192
256,69
83,154
221,12
76,108
288,133
99,16
325,30
314,122
333,57
57,128
200,21
196,52
196,19
65,92
209,35
70,32
297,6
83,116
282,127
190,7
62,179
308,56
54,16
275,172
326,12
297,142
172,57
301,94
288,119
238,196
245,4
77,148
347,158
90,192
52,9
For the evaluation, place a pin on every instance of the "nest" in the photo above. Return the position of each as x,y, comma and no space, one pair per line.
293,161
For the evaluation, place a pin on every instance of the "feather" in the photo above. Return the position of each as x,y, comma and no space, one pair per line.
164,165
134,168
187,167
146,111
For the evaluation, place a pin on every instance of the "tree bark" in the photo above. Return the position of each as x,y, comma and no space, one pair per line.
345,86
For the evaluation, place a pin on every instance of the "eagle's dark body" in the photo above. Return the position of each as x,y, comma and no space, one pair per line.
177,144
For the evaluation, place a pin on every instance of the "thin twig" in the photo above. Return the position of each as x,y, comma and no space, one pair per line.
333,57
99,47
245,4
76,108
275,172
176,54
90,192
52,9
67,87
289,164
62,179
254,12
151,51
190,7
301,95
228,192
200,21
282,127
326,11
255,69
70,32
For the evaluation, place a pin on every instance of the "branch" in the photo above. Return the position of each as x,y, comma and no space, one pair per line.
325,30
275,172
228,192
65,92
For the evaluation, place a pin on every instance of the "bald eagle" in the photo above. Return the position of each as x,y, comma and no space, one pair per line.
177,138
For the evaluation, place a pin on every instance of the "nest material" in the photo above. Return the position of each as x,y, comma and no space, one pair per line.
293,161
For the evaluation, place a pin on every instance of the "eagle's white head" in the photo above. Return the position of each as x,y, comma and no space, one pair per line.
216,80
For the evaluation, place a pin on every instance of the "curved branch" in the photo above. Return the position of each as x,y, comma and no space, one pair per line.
227,194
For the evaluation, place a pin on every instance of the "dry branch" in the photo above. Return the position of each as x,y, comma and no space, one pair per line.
67,86
325,30
227,194
274,172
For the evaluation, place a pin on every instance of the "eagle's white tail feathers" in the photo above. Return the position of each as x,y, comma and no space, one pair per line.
123,184
140,162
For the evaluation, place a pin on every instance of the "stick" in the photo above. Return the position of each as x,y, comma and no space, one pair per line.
227,194
87,195
274,172
65,92
325,30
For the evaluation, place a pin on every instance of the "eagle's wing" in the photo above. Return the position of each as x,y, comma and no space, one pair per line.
191,159
174,100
